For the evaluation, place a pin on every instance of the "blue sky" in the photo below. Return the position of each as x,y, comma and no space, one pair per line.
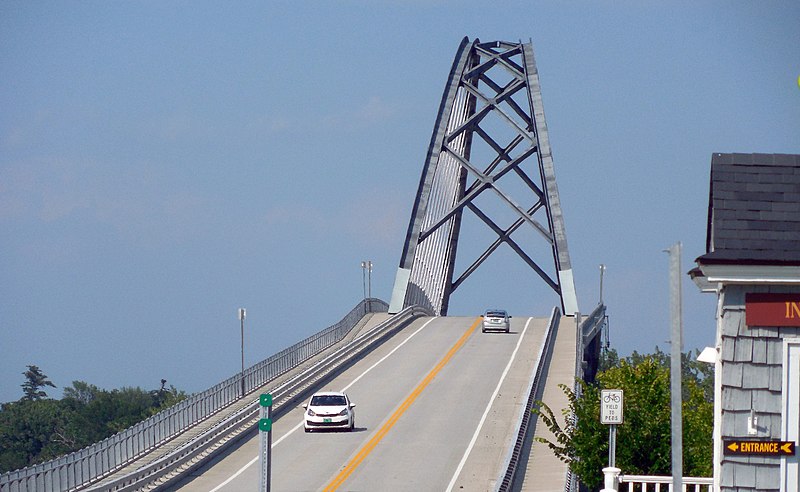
165,163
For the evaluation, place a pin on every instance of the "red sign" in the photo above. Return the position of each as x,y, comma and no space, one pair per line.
772,309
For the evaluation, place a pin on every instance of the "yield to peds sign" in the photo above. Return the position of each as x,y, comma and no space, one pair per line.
611,406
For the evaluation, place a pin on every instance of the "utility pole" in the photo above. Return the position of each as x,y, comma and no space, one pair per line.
676,372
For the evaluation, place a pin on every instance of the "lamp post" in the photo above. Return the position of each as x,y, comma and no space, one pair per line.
366,278
602,271
242,315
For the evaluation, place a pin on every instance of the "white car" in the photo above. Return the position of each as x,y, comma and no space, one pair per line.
496,319
329,410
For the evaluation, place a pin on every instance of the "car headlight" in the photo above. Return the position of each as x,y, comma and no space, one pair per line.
343,413
311,413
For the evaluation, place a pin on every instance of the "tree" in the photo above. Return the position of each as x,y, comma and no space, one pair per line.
34,381
28,430
644,440
36,429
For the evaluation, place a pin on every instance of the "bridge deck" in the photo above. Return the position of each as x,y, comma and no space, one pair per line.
423,449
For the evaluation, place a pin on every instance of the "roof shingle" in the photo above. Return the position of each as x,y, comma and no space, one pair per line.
754,210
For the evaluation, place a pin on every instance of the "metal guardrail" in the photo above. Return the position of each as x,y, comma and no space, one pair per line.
506,480
592,324
81,468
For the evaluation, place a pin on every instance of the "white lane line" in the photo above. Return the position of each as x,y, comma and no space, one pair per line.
230,479
296,427
488,407
373,366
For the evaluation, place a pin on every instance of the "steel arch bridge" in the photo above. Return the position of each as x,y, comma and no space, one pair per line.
490,128
492,100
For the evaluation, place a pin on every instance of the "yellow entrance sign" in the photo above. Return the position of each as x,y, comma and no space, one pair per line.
768,448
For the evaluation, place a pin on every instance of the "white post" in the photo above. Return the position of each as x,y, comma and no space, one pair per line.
611,479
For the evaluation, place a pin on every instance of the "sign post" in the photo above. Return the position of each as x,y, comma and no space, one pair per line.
611,414
265,428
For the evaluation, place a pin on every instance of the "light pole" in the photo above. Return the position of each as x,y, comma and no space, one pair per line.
366,273
242,315
369,279
364,278
602,271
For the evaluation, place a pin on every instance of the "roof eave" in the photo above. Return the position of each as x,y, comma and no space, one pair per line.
727,273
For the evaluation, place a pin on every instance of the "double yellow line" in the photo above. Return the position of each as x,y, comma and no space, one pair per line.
381,433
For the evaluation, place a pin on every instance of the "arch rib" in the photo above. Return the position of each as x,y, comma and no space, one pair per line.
473,94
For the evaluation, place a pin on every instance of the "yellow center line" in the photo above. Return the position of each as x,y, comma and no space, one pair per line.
381,433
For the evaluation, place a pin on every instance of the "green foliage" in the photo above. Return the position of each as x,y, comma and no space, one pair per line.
35,380
29,433
643,441
34,429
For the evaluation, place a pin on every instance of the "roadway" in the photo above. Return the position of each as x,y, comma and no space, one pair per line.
437,406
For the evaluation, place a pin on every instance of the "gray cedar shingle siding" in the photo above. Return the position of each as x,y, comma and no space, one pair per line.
752,376
759,351
768,478
750,381
743,350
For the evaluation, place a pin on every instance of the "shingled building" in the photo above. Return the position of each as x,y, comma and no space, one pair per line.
752,263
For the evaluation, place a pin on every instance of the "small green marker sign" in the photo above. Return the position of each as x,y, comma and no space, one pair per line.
265,425
266,400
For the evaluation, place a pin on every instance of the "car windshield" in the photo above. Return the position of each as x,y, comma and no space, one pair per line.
496,314
328,401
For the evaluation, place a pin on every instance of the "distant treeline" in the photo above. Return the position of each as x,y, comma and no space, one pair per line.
36,428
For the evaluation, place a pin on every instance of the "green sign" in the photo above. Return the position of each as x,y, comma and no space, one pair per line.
266,400
265,425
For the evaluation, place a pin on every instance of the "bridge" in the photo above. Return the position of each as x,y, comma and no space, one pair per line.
440,405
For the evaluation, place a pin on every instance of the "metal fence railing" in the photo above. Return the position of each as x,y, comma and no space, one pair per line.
100,459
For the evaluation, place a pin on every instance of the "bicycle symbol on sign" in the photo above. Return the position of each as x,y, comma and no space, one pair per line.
609,397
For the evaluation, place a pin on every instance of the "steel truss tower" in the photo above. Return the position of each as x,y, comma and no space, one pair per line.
488,83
